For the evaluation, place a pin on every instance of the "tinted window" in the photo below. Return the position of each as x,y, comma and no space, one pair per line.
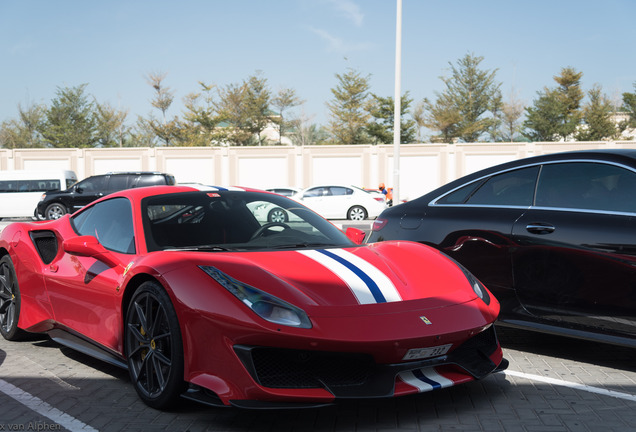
29,185
111,222
460,195
232,220
316,192
93,184
150,180
512,188
119,182
340,191
588,186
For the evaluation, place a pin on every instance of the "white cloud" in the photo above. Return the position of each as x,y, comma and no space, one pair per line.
335,44
350,10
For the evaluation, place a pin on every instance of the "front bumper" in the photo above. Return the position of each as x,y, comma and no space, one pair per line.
352,375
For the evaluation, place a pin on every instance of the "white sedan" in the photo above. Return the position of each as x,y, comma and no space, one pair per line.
341,202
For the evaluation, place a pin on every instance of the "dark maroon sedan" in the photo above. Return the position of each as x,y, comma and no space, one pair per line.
553,237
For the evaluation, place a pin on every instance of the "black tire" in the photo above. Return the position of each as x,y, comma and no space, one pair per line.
153,347
10,301
357,213
55,211
277,215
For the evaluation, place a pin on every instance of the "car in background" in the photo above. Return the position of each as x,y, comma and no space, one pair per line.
553,237
196,297
341,202
20,190
55,204
272,213
284,191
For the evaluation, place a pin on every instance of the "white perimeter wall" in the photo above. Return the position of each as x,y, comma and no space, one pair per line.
423,167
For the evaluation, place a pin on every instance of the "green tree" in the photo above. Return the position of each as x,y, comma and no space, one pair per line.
382,111
465,108
24,132
349,117
597,118
70,121
200,126
544,119
510,115
165,130
257,101
419,117
443,117
110,127
629,106
244,110
556,114
284,99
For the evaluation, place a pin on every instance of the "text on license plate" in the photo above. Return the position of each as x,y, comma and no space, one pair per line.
420,353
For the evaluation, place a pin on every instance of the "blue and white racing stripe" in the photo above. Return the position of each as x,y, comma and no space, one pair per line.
426,379
368,284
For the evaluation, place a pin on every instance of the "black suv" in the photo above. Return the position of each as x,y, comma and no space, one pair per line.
55,204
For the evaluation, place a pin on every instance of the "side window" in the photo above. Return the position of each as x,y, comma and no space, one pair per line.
111,222
92,184
587,186
512,188
460,195
315,192
150,180
340,191
118,182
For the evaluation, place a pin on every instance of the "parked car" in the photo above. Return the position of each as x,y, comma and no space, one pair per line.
341,202
554,238
284,191
20,190
55,204
195,297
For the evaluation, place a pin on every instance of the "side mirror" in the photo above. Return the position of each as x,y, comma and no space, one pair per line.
356,235
79,190
89,246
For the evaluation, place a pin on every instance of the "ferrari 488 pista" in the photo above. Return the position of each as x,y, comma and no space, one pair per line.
199,298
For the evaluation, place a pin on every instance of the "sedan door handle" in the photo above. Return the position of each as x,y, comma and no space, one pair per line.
540,228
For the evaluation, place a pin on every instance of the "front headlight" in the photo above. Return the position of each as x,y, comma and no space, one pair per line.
266,306
477,286
479,289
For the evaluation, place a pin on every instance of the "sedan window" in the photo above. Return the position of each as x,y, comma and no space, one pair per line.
335,190
587,186
512,188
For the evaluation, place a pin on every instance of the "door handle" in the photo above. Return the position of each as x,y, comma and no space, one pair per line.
540,228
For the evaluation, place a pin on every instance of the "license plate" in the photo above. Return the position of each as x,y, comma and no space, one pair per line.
421,353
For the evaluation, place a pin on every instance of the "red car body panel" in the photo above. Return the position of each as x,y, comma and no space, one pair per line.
430,303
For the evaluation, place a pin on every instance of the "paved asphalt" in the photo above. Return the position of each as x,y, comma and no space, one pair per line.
552,384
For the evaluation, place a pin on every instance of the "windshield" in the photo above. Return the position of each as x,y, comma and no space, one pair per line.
234,220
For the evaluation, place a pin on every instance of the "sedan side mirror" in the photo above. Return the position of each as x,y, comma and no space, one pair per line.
89,246
356,235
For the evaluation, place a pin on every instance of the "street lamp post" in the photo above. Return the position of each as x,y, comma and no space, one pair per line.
398,105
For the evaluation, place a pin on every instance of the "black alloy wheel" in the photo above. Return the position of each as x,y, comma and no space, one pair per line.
154,347
9,301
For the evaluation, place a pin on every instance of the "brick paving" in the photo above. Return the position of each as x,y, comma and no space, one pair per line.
95,396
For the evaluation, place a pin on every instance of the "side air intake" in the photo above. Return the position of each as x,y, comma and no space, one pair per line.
46,244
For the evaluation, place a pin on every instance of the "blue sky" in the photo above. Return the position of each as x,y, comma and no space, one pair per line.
301,44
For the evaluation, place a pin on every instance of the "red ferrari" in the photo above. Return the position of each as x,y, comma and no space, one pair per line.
197,295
